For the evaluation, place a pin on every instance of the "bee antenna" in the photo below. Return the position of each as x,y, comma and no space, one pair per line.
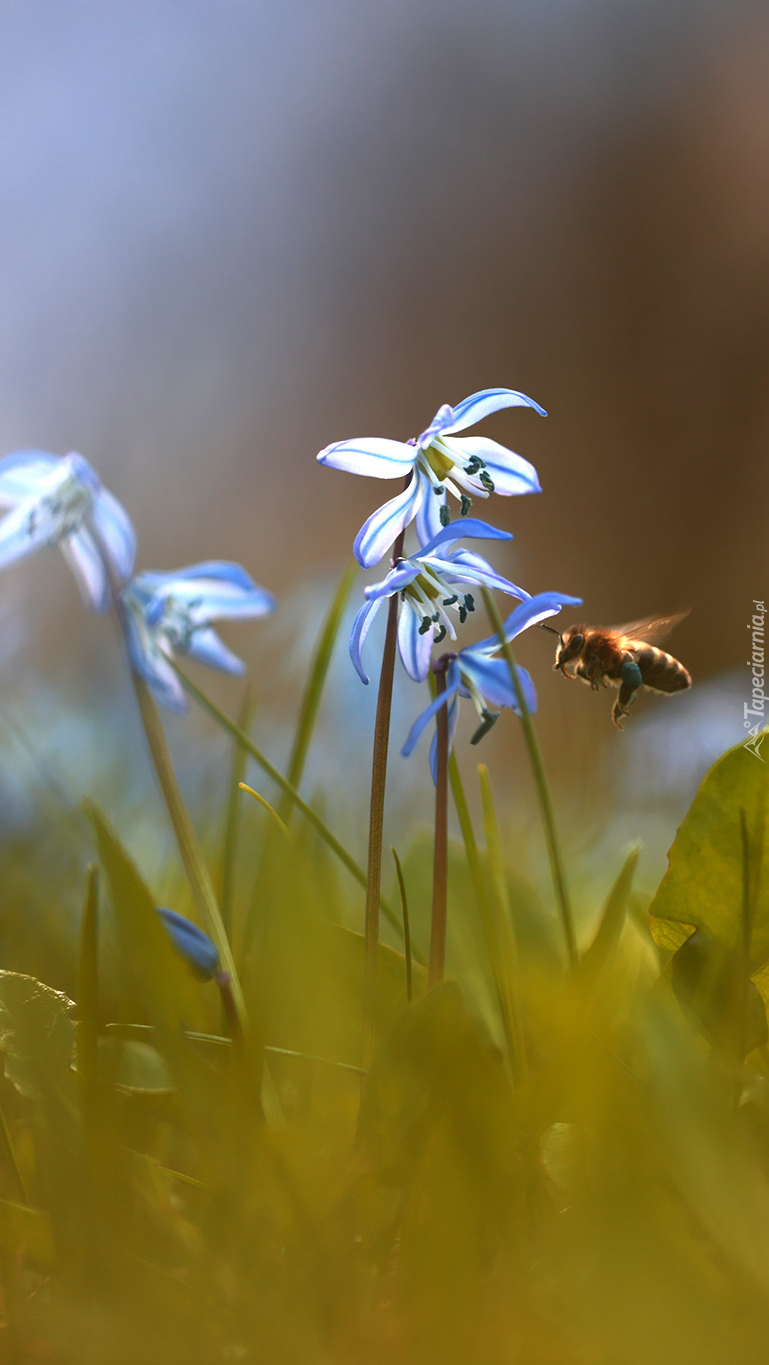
542,626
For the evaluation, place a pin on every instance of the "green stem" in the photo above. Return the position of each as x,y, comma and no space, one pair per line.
313,692
406,928
192,858
500,933
437,961
541,784
309,814
88,1007
376,816
232,824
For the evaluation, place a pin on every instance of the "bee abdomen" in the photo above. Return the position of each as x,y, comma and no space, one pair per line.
661,671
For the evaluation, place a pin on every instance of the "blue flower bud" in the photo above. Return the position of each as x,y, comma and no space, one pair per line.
198,950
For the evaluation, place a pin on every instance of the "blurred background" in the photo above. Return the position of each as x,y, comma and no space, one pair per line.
233,232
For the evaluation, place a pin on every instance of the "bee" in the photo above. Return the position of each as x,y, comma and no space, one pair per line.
625,657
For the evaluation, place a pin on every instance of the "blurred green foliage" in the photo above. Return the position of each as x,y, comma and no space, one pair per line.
540,1167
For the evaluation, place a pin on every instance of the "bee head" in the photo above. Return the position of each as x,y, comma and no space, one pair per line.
570,647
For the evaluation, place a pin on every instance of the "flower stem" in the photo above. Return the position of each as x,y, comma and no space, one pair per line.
541,783
192,858
441,845
376,815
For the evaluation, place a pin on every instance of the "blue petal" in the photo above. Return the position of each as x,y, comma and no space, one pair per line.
84,559
414,649
486,401
395,580
453,716
378,533
375,456
115,530
510,473
198,950
468,527
206,647
442,421
25,474
230,595
537,608
360,629
453,681
529,613
26,528
429,514
465,567
492,679
151,664
222,570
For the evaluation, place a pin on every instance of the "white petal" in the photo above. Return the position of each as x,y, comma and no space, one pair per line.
383,526
85,561
115,529
375,456
415,649
25,474
486,401
206,647
25,529
509,472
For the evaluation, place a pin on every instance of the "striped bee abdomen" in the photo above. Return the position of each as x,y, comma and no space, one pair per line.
660,670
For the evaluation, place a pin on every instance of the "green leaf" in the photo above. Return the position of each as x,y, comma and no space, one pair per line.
37,1034
159,978
705,882
611,921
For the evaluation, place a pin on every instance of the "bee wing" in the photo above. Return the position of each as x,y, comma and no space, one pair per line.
651,629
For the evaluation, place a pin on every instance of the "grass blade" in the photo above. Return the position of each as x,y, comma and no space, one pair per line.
308,713
309,814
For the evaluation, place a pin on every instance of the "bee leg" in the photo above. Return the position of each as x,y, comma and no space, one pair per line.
631,681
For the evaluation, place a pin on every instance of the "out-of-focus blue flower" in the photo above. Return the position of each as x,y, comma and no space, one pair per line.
172,612
476,673
426,584
60,500
198,950
440,464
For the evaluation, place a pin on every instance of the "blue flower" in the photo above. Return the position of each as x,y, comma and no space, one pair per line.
476,673
168,612
59,500
426,585
198,950
440,464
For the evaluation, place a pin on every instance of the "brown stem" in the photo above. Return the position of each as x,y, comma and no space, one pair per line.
440,849
376,812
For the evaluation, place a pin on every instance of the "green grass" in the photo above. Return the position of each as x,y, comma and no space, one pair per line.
544,1164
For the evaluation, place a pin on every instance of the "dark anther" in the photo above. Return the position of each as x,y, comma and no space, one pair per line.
445,515
438,489
462,612
466,504
440,635
425,626
469,601
489,718
449,601
486,480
